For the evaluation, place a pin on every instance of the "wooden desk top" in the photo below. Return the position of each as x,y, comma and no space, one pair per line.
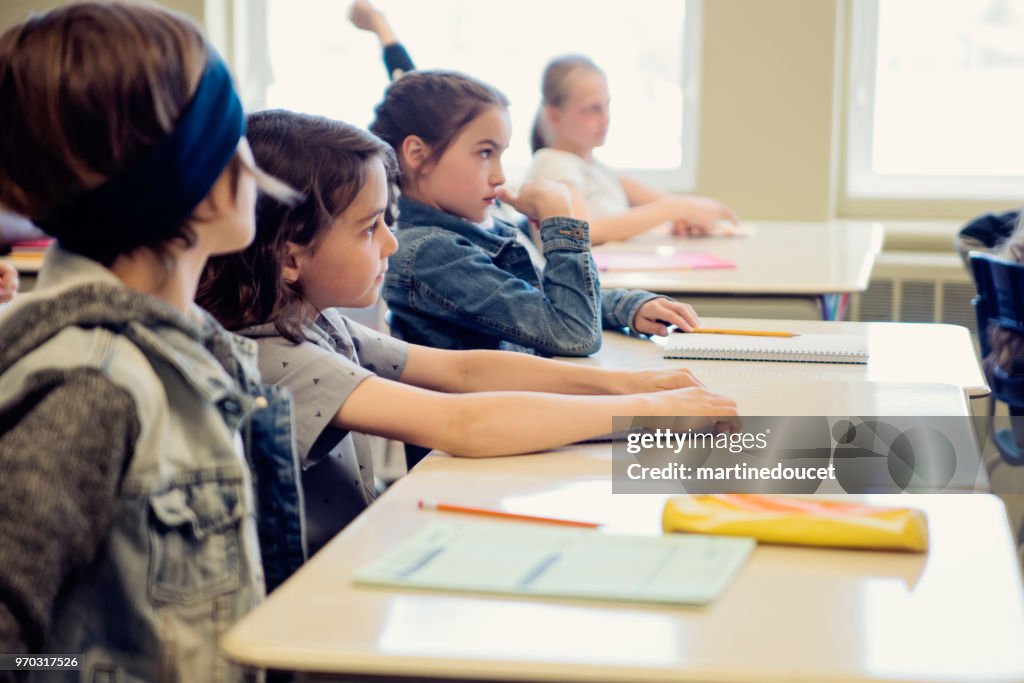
900,352
24,263
793,614
779,258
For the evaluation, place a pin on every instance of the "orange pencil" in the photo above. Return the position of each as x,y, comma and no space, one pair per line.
744,333
447,507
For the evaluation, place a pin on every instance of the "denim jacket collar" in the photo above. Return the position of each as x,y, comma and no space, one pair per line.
91,295
413,213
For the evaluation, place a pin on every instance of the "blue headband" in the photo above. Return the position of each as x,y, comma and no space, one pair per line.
148,202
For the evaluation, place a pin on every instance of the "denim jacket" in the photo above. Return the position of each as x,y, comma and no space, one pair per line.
454,285
176,558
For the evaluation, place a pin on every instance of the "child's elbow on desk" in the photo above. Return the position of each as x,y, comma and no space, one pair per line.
580,347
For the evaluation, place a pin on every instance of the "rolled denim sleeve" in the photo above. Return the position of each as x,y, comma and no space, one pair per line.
397,61
456,281
620,306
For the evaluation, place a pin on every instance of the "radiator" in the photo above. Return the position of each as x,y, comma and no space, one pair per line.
916,287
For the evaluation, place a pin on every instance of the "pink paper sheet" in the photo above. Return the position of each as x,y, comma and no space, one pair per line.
687,260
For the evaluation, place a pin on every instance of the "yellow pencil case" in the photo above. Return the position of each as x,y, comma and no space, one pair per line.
799,521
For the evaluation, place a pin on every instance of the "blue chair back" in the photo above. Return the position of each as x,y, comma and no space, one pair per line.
1000,298
1000,302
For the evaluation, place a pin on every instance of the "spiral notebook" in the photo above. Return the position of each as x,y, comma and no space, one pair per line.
805,348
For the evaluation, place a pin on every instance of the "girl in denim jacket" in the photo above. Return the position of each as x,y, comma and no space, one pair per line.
349,382
458,283
573,121
129,419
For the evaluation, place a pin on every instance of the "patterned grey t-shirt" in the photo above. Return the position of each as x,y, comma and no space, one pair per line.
337,467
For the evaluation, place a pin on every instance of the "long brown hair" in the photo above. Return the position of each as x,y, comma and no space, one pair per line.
87,90
434,106
554,91
324,160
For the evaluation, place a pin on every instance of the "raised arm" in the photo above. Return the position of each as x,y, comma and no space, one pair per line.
366,17
508,423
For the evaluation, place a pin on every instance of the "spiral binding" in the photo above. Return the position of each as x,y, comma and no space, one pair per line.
769,354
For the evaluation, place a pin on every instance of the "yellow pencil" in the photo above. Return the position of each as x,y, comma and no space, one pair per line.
428,504
744,333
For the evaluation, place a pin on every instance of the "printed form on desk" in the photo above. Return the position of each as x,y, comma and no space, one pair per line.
535,560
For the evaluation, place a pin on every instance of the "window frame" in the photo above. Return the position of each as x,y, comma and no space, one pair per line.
862,183
250,58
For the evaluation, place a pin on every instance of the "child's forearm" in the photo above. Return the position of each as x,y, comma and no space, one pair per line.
638,193
473,371
506,423
385,34
511,423
481,370
504,371
478,425
632,222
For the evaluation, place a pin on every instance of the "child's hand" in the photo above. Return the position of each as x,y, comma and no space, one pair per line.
365,16
691,404
656,315
8,282
647,381
698,215
539,199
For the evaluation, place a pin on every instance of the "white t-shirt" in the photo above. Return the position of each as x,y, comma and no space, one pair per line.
598,184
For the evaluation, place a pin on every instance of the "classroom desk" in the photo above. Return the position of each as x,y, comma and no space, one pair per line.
954,614
28,265
900,352
792,614
802,262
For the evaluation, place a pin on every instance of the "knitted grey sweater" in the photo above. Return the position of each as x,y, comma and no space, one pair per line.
64,444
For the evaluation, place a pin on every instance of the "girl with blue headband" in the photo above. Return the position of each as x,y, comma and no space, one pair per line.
131,423
350,382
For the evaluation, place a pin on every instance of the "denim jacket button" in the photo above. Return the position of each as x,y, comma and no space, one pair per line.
577,233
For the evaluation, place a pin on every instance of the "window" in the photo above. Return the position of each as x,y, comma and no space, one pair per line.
304,55
936,101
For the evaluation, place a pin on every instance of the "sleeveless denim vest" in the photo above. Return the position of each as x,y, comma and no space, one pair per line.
182,561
